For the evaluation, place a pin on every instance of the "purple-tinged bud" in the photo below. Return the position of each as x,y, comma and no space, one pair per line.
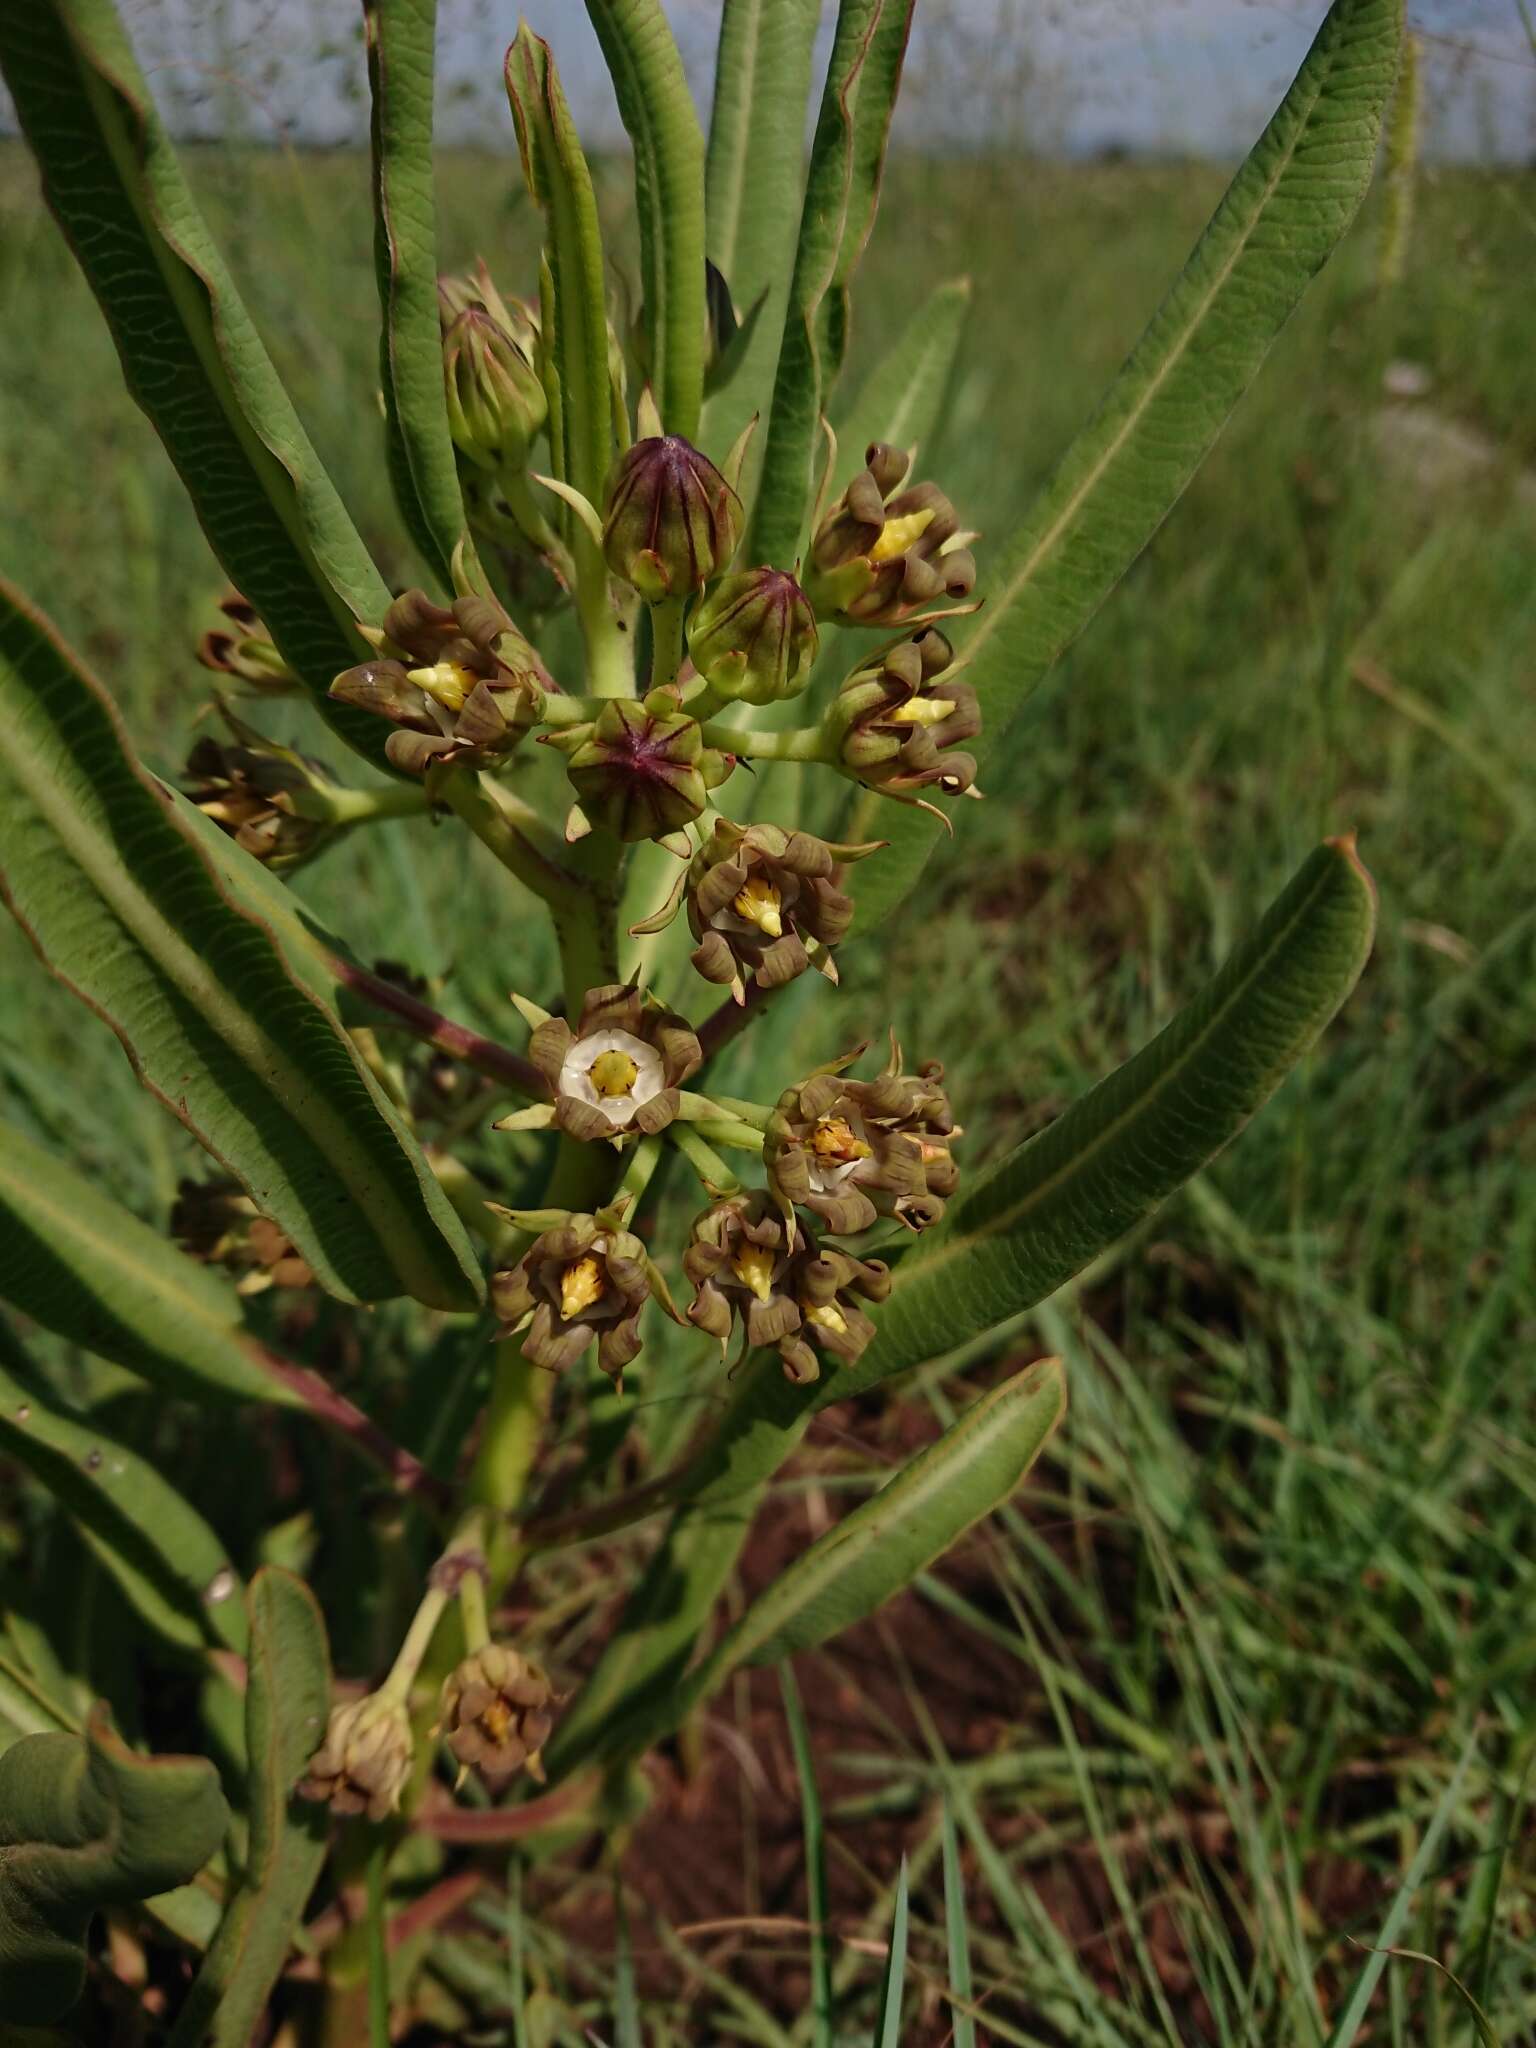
754,637
672,521
641,769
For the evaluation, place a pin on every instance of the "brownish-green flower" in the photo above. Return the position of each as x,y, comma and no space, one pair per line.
458,680
640,768
619,1070
583,1280
497,1714
216,1222
255,790
853,1150
243,648
754,637
884,555
902,717
756,894
753,1266
671,522
364,1763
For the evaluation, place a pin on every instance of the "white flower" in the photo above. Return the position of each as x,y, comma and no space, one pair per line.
612,1071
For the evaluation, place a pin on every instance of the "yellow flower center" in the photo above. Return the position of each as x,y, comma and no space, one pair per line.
580,1285
828,1317
834,1139
753,1267
897,535
613,1073
496,1719
448,681
759,903
921,711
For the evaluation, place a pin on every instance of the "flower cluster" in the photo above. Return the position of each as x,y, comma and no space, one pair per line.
884,556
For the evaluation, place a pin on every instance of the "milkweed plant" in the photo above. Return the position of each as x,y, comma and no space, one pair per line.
709,681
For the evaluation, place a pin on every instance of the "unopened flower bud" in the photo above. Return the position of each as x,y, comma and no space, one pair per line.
641,768
243,648
883,555
364,1763
754,637
496,400
672,521
496,1714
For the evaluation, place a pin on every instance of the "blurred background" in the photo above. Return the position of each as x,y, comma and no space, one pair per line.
1266,1615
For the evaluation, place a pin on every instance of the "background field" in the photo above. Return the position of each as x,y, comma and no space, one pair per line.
1198,1699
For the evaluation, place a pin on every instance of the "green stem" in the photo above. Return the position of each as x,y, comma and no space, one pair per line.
509,1443
378,1946
666,641
643,1162
472,1612
491,821
714,1175
362,806
609,646
792,743
754,1113
724,1131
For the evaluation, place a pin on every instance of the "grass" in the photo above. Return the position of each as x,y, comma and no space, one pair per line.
1264,1621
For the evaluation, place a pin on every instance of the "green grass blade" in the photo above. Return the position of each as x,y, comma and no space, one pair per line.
1048,1208
902,397
123,906
378,1946
1281,218
1352,2018
815,1860
76,1262
887,2032
171,1567
401,38
957,1936
881,1546
285,1708
657,111
626,1998
753,176
841,192
190,353
86,1822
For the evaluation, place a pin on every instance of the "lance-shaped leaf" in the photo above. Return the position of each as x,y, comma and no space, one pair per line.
80,1264
657,110
118,898
1115,1156
1033,1222
401,37
753,176
285,1710
576,317
902,397
841,191
191,356
1281,218
173,1570
87,1823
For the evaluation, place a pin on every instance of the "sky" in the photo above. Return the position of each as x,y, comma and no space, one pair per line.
1060,76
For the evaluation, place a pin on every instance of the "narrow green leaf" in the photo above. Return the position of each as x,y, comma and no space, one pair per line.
401,38
957,1936
657,111
817,1900
118,898
893,1983
1115,1156
285,1709
901,399
76,1262
191,355
581,422
841,192
881,1546
173,1570
1280,220
87,1823
753,178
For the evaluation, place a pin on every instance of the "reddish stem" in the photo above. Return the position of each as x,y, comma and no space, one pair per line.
487,1826
404,1470
484,1054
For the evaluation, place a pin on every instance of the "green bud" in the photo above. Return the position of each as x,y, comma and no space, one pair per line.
641,769
672,521
496,400
754,636
243,648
